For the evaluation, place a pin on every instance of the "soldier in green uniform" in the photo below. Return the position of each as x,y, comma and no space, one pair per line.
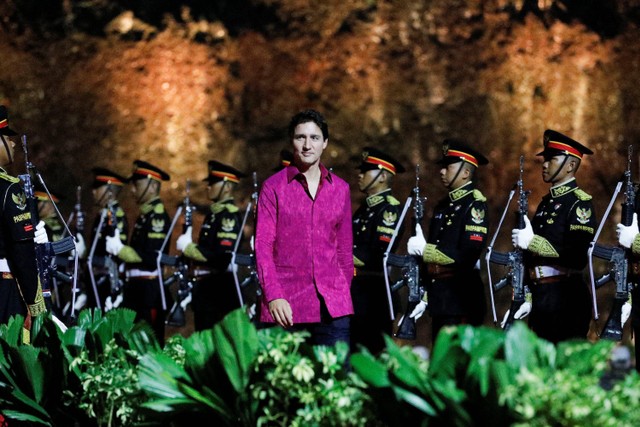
457,235
20,290
374,223
142,291
215,293
556,245
105,189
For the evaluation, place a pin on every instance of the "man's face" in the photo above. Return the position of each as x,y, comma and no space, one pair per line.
308,144
7,150
143,190
365,178
550,167
213,190
448,175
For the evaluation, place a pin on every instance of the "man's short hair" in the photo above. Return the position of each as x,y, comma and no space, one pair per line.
309,116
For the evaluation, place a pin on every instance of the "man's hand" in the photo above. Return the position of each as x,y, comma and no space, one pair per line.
40,234
627,234
113,244
416,244
418,311
522,238
521,313
184,240
281,312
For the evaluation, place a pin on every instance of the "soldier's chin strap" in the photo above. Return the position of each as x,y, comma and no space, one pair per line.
145,191
456,175
364,190
217,198
6,147
566,157
100,201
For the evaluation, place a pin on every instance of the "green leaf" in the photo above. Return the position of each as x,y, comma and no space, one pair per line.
370,370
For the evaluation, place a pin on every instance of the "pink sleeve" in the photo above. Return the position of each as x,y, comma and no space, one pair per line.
266,221
345,238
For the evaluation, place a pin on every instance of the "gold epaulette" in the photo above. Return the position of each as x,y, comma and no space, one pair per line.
583,195
159,208
231,208
4,175
392,200
478,196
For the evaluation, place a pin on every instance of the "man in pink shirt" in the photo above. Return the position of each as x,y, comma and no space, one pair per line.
304,241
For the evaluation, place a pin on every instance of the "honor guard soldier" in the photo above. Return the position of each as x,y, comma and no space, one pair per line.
556,245
457,235
20,290
142,291
215,293
286,157
105,189
374,224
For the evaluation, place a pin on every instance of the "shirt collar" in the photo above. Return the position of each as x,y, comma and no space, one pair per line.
460,192
564,188
293,172
377,198
148,207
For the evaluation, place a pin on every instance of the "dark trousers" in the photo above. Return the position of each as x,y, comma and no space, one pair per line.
214,296
143,297
328,331
371,319
11,302
560,311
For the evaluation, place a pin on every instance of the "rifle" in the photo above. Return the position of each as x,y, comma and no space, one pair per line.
176,315
618,259
45,253
234,253
402,261
514,260
411,271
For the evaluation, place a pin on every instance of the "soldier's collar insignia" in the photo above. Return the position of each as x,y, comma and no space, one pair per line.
562,189
459,193
148,207
376,199
20,200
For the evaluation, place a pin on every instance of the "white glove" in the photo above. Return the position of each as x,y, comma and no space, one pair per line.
40,235
113,244
416,244
418,311
81,247
184,240
626,235
626,312
522,238
522,312
251,311
252,243
186,301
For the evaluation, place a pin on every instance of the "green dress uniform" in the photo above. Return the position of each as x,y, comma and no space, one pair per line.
20,288
215,293
457,235
373,226
142,291
564,225
101,274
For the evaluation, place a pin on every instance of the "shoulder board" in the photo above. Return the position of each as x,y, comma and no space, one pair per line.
478,196
119,212
392,200
231,208
159,208
8,177
582,195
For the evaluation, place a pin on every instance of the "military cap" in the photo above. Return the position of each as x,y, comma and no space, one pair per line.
103,176
286,157
373,158
455,150
221,172
4,123
142,170
556,144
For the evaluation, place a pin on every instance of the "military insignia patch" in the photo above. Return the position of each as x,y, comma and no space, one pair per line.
228,224
445,149
20,200
477,215
157,225
583,215
389,218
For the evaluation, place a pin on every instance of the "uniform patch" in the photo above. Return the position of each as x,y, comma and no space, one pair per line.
477,215
476,237
227,224
389,218
157,224
20,200
583,215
